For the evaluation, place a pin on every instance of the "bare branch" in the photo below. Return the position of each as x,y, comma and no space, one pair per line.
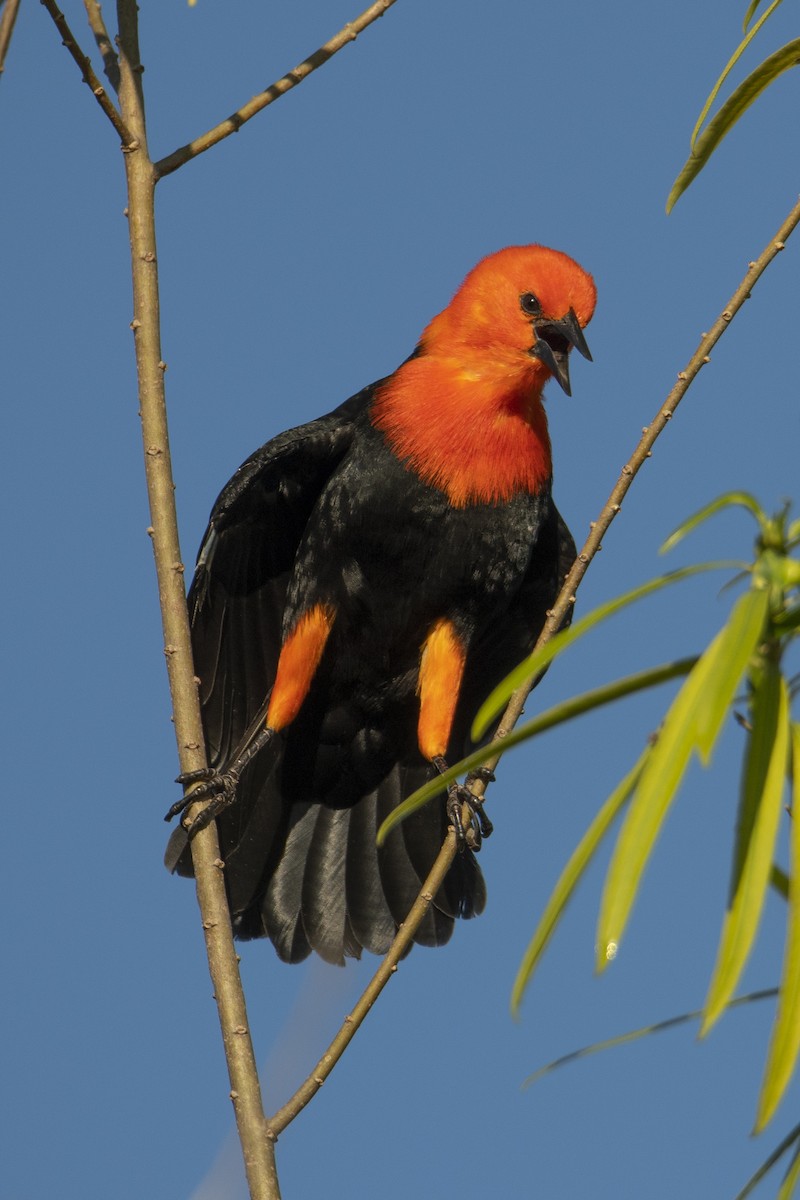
352,1022
7,19
89,77
245,1093
564,602
233,123
104,43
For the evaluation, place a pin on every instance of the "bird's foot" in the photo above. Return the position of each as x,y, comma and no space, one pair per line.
215,785
459,794
218,787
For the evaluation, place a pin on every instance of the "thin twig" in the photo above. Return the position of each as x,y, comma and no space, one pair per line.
258,1149
233,123
89,78
565,600
7,19
104,43
387,968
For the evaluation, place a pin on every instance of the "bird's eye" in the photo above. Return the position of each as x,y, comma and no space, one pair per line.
530,305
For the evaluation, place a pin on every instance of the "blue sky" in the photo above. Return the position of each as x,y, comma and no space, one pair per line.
300,260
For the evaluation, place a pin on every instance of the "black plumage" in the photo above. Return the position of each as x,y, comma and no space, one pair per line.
327,513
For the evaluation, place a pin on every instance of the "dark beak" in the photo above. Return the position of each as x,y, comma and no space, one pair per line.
553,342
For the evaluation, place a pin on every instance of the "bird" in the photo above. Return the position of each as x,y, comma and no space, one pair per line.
364,582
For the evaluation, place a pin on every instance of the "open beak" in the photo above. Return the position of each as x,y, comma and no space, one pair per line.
553,342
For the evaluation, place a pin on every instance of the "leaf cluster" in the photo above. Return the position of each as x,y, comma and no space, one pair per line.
706,137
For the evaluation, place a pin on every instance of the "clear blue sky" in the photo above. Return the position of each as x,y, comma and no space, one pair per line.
299,261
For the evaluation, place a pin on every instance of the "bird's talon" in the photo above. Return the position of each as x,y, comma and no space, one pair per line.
204,775
219,788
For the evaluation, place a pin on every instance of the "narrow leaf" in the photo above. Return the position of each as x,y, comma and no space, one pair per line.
692,724
736,104
791,1139
708,510
751,11
727,660
790,1179
568,880
635,1035
737,54
536,662
557,715
759,814
785,1040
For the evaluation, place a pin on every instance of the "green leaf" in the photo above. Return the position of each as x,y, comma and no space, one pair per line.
759,814
737,54
635,1035
708,510
557,715
568,880
791,1139
691,724
785,1041
727,660
736,104
748,16
790,1179
530,667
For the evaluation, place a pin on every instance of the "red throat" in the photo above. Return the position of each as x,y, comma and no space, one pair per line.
475,430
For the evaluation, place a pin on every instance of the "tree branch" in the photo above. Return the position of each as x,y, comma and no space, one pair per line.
258,1149
555,617
352,1022
89,77
104,43
235,121
7,19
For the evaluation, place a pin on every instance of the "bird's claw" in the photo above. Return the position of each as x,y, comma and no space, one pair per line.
218,787
459,794
479,827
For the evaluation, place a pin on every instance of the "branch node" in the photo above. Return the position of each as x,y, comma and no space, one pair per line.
162,366
136,324
150,531
233,1095
219,864
178,567
239,1030
169,649
780,245
153,451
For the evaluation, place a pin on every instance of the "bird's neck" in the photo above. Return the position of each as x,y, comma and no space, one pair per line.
475,430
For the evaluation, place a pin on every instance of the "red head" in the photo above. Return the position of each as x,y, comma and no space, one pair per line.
466,413
511,301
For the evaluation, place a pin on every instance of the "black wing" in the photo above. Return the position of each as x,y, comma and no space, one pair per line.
237,595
